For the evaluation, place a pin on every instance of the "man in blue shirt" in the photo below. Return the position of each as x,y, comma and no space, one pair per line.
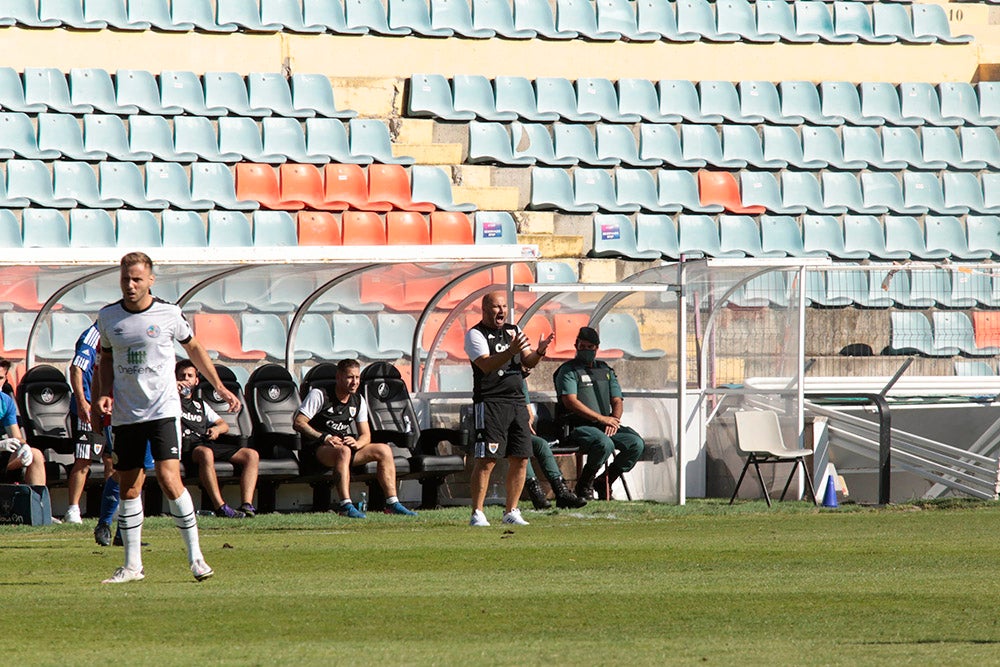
81,371
15,454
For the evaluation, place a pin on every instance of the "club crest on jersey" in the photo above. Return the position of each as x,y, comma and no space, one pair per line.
152,331
353,411
494,447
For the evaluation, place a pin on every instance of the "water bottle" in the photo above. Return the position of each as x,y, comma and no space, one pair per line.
407,428
363,503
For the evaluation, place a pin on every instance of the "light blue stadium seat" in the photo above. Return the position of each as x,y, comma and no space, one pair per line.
901,144
77,182
25,13
698,16
761,189
371,16
537,16
122,180
12,93
314,338
702,142
890,18
288,14
271,90
698,235
274,229
782,234
782,144
65,329
939,286
515,94
556,95
555,272
657,232
962,189
904,233
920,100
865,233
91,229
107,134
495,227
620,16
279,295
328,137
573,141
719,98
200,14
813,18
266,331
17,136
93,87
680,98
980,144
617,142
869,292
44,228
841,99
880,99
157,14
991,189
245,14
974,369
228,91
763,290
659,17
285,136
195,135
183,89
314,92
474,94
775,17
853,18
821,144
354,336
242,137
801,99
819,293
598,96
113,12
924,189
552,189
843,189
738,17
638,97
984,233
960,100
497,15
639,187
932,21
69,13
533,141
456,16
680,187
953,330
864,145
614,236
800,188
491,143
10,237
138,229
134,87
580,16
431,97
759,99
30,179
331,15
825,232
432,184
941,146
911,333
895,283
229,229
946,231
370,137
183,229
741,233
621,331
885,190
595,186
152,134
455,378
662,143
169,182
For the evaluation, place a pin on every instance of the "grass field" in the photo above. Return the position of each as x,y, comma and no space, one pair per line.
612,584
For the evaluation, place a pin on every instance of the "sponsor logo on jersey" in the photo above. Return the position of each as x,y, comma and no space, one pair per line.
135,357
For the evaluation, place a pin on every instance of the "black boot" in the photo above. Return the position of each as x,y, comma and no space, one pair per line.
585,487
564,497
537,494
603,485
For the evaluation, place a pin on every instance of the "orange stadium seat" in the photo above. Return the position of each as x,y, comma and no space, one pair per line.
259,182
318,228
407,228
451,227
390,183
347,183
720,187
304,183
219,332
987,327
363,228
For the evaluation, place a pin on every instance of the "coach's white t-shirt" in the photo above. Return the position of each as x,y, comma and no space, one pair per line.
142,345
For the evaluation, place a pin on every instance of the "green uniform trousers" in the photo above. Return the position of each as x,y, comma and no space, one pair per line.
593,442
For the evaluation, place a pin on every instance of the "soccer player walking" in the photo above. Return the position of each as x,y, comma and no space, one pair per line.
137,368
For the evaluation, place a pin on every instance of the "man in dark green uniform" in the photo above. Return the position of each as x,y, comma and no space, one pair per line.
590,404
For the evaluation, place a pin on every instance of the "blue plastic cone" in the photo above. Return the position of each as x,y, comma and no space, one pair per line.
830,496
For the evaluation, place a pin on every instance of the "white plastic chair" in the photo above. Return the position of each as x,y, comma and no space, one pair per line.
758,434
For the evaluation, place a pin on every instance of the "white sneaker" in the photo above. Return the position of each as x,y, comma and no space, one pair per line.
478,519
201,570
124,575
514,517
72,515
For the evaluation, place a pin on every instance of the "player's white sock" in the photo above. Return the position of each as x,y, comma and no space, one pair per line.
391,500
130,518
182,510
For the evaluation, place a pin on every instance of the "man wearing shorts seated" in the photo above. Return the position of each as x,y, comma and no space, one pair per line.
201,446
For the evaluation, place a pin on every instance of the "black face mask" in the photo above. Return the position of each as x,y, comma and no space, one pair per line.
586,356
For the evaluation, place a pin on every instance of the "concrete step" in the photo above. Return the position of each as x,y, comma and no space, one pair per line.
551,245
435,154
487,198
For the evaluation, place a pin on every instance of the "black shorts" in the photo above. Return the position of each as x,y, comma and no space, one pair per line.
223,451
502,430
163,436
307,454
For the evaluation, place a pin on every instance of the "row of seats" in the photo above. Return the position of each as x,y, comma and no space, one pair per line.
588,100
975,367
631,190
89,90
52,136
952,333
861,237
696,146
